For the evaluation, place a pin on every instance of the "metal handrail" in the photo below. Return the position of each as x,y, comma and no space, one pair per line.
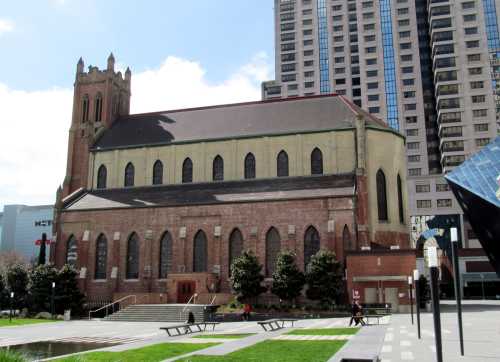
213,299
192,298
113,303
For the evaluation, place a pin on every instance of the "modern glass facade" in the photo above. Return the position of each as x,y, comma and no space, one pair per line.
324,61
389,65
490,18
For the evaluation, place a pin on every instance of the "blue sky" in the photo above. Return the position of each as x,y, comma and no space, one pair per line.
181,53
50,35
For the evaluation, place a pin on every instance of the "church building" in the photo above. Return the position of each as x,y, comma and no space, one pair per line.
159,204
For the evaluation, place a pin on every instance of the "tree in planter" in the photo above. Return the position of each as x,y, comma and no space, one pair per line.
288,280
41,279
68,294
17,282
246,277
325,278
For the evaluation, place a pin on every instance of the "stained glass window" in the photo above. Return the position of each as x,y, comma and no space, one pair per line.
132,271
200,252
101,257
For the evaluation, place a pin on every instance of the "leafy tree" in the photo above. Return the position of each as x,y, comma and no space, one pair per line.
41,279
325,278
17,282
246,276
288,280
68,295
4,294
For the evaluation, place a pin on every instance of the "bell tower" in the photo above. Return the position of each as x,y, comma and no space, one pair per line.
100,98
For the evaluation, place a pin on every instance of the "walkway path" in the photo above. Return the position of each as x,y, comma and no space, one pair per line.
481,322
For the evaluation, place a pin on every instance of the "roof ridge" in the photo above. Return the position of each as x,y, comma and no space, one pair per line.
248,103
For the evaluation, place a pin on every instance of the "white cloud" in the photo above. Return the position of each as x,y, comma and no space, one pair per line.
6,26
179,83
34,125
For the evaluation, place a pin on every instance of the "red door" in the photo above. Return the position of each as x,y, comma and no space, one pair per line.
185,289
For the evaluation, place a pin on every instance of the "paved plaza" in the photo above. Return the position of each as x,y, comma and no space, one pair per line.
394,340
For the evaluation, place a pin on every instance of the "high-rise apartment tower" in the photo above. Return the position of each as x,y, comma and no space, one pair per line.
429,68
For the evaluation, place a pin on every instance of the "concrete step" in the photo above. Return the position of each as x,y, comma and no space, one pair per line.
162,312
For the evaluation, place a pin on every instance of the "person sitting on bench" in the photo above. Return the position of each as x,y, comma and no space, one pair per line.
357,313
190,320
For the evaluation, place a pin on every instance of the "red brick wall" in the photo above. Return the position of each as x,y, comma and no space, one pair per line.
245,216
378,265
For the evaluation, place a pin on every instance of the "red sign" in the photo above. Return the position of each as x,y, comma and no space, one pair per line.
47,242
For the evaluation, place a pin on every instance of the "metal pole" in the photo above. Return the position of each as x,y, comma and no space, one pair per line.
10,310
482,285
432,257
410,283
458,296
52,307
417,299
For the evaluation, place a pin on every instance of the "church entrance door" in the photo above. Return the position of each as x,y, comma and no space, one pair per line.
185,289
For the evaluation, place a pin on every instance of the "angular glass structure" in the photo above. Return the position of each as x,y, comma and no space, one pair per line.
475,184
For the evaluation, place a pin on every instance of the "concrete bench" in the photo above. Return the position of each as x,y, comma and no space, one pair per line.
188,328
275,324
367,317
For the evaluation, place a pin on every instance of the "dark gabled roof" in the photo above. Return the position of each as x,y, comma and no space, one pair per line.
305,114
284,188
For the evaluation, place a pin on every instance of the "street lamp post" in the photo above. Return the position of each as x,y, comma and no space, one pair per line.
10,310
52,306
410,284
417,299
433,266
458,292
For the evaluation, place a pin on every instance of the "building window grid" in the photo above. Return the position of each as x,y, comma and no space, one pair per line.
324,64
389,64
492,33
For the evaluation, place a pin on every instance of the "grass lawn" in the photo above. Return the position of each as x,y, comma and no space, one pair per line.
324,331
225,336
155,353
4,322
277,351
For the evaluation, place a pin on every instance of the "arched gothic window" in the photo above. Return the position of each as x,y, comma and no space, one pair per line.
282,164
346,239
132,271
200,252
400,201
316,162
311,244
187,171
381,196
102,175
101,257
218,169
98,107
85,108
129,175
249,166
235,246
158,173
273,246
72,251
165,255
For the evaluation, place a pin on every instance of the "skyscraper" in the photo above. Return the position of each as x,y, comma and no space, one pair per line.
428,68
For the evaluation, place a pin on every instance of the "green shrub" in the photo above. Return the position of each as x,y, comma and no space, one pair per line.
11,356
